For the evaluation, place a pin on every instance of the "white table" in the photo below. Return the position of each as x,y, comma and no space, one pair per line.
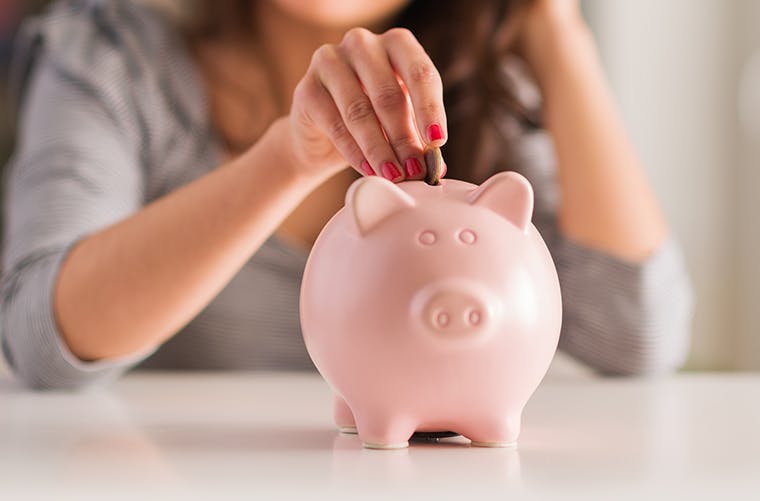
270,436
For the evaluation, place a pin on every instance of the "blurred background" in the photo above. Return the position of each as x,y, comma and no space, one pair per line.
687,77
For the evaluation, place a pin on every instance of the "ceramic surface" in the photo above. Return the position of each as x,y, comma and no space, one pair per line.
432,308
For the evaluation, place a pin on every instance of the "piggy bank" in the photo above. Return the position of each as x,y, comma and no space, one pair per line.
432,309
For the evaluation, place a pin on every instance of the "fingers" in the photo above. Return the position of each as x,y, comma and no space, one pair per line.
323,114
369,61
375,99
422,80
357,112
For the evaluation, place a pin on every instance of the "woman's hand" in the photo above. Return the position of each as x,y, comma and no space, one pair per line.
373,101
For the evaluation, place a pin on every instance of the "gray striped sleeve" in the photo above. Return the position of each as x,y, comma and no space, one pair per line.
625,318
75,171
32,345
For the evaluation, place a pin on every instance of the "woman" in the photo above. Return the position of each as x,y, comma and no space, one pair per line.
126,244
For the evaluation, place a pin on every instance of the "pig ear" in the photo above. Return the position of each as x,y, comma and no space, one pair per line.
372,199
508,194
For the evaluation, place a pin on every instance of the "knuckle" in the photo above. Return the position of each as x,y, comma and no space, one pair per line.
423,72
403,143
359,110
377,150
352,153
356,38
324,54
390,96
299,93
338,131
430,109
303,101
309,92
401,34
304,91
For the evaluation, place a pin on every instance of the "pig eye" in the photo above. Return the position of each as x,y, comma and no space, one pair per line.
467,236
427,237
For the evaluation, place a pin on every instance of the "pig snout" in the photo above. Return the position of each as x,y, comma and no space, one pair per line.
454,310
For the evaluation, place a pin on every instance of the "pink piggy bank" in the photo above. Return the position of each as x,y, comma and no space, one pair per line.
431,309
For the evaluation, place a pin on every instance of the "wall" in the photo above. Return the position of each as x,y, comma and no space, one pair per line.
749,188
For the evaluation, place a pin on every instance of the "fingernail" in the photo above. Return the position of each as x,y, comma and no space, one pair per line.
391,172
445,170
367,169
435,132
413,167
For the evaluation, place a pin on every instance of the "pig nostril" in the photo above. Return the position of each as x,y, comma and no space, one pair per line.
427,237
468,237
442,319
474,317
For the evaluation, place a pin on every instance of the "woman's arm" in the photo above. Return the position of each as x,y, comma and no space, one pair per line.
93,278
627,299
162,265
165,263
607,203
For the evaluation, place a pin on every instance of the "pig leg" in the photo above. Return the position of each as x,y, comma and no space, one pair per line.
491,432
344,418
379,430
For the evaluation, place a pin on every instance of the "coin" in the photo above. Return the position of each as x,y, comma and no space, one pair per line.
434,162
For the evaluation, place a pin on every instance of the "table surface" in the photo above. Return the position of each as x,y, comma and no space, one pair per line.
261,435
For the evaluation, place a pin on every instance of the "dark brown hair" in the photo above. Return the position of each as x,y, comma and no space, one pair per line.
468,42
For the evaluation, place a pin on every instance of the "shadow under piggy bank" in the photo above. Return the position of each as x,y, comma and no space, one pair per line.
421,468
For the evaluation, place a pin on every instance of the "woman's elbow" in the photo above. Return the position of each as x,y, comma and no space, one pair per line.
31,371
648,335
654,354
38,360
658,338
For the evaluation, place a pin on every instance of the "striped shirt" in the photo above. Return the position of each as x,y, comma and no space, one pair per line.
113,115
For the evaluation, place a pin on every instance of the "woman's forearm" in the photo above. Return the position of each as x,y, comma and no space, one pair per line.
607,202
133,285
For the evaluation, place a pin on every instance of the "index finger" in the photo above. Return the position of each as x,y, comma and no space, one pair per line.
423,82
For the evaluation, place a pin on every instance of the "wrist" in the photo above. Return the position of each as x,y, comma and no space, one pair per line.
285,165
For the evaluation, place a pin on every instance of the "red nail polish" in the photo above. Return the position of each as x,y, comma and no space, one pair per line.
435,132
413,167
391,172
367,169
